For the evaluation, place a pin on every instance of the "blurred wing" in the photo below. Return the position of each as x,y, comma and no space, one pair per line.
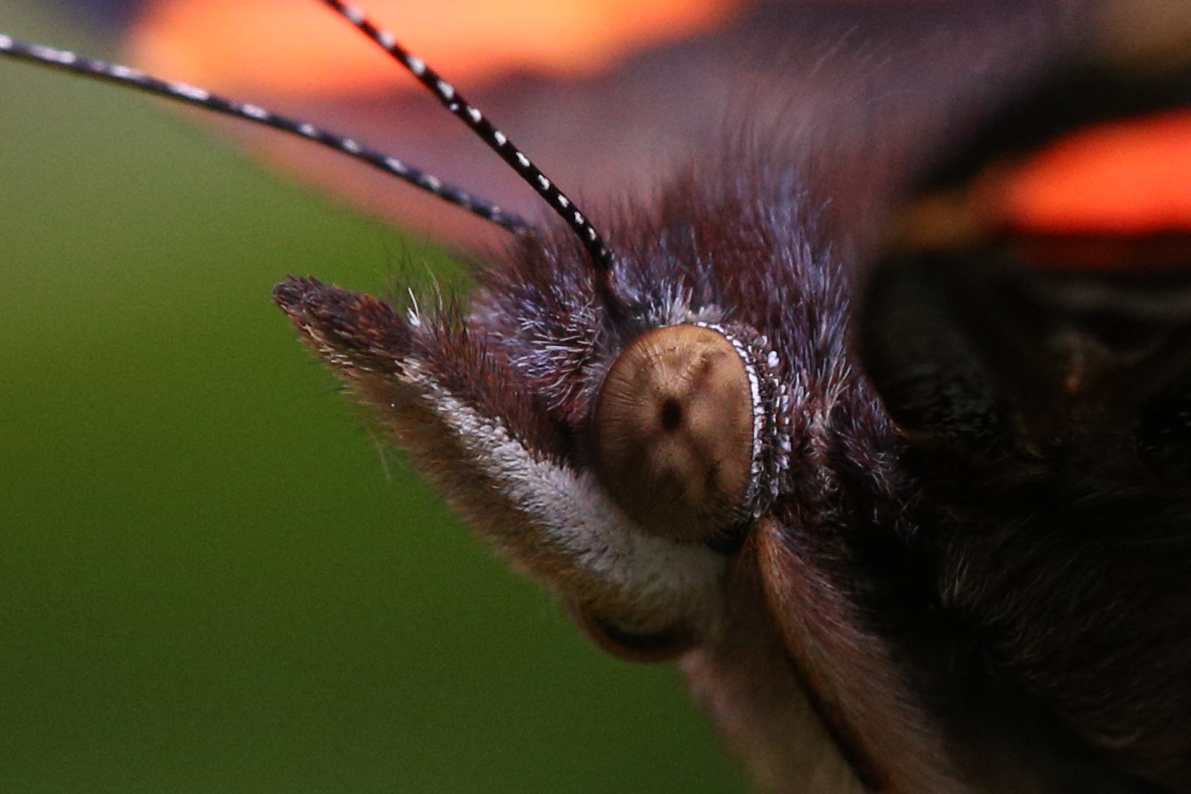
605,96
1038,280
1029,329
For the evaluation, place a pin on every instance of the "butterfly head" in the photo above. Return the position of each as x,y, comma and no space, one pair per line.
619,457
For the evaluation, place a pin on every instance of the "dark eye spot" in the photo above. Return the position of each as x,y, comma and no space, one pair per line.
671,415
673,432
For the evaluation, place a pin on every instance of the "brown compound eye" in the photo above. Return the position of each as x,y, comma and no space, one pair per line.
674,432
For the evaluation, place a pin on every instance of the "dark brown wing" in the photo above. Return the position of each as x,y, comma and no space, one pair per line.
1043,378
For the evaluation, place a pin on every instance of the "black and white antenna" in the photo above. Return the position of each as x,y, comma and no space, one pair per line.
593,242
485,130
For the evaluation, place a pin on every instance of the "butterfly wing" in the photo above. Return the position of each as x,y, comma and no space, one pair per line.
738,73
1037,356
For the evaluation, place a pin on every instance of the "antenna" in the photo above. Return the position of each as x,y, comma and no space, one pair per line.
190,95
601,257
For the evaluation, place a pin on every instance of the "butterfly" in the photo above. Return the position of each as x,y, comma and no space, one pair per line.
900,511
189,600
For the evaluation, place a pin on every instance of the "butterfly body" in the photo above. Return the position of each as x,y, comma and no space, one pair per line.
938,546
866,608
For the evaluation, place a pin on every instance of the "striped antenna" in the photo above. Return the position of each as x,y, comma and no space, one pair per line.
181,92
601,256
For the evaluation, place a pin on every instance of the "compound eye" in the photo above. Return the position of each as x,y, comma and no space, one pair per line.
674,432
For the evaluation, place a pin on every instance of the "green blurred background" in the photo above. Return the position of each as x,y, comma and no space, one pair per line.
211,579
